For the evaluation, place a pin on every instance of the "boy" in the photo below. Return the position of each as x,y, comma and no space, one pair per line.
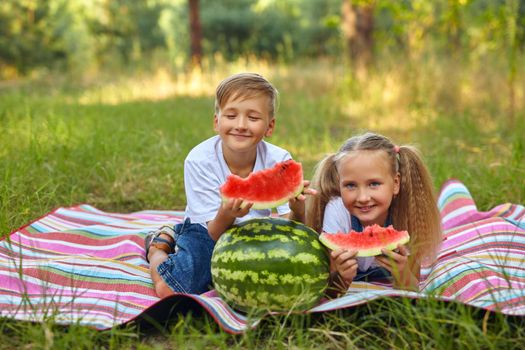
244,114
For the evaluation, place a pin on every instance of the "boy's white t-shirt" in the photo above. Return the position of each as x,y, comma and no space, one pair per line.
337,219
205,170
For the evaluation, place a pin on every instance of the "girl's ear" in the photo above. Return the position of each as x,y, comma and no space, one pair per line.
271,126
397,183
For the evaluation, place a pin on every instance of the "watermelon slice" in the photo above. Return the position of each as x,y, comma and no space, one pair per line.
267,188
367,243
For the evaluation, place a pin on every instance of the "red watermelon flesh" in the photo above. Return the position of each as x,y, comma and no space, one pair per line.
266,188
367,243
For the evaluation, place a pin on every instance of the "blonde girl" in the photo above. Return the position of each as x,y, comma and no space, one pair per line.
370,180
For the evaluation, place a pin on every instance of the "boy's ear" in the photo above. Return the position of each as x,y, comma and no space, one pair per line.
215,123
271,126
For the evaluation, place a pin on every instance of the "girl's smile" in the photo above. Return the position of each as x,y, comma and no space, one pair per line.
365,209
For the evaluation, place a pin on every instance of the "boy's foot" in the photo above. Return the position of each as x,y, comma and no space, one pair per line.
163,239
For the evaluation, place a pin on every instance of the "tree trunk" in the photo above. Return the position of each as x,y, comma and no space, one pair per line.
195,33
358,29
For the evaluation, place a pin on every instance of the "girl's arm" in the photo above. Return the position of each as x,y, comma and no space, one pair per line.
343,267
337,286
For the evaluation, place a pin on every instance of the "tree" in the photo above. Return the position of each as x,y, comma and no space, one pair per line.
358,28
195,33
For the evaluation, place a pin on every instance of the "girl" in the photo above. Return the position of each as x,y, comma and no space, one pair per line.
373,181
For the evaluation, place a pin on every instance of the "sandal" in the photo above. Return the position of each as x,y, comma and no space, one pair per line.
153,239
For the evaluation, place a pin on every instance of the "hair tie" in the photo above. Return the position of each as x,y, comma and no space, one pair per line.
396,150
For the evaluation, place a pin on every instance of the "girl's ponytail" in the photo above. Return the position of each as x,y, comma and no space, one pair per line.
414,208
326,182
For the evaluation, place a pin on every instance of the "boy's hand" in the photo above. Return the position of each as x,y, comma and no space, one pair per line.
297,204
306,191
225,217
235,208
345,264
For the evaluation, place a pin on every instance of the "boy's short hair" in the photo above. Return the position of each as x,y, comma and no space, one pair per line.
245,85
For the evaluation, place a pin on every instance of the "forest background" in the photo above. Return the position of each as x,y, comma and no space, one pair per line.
391,66
85,35
100,101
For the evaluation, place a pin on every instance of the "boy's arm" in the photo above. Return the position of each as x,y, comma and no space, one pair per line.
297,210
228,211
297,204
297,215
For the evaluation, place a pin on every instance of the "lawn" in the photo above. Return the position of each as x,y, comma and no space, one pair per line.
119,144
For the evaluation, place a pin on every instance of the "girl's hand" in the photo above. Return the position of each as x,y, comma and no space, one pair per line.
397,264
345,264
235,208
297,204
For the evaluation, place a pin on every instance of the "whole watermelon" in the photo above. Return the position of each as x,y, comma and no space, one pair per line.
270,264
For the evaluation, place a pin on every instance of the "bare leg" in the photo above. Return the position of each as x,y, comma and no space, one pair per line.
157,256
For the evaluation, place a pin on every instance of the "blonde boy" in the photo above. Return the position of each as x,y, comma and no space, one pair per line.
245,106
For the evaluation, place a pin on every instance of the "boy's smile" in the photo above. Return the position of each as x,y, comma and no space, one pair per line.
367,185
242,123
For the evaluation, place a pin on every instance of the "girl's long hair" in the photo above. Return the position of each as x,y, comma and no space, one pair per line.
326,182
413,209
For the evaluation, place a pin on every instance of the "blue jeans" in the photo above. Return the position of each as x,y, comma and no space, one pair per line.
188,269
373,273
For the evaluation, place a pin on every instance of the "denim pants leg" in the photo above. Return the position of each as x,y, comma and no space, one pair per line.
188,269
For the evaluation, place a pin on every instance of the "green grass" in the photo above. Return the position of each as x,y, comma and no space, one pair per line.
119,144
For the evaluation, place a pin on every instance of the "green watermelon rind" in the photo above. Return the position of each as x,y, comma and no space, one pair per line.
324,238
298,284
271,204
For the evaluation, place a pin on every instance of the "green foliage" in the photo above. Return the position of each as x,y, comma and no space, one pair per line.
270,29
75,35
174,26
25,38
125,28
81,36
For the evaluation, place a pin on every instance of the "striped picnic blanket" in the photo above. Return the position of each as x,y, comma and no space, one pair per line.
80,265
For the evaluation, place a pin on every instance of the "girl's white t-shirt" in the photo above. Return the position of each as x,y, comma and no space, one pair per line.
205,170
337,219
